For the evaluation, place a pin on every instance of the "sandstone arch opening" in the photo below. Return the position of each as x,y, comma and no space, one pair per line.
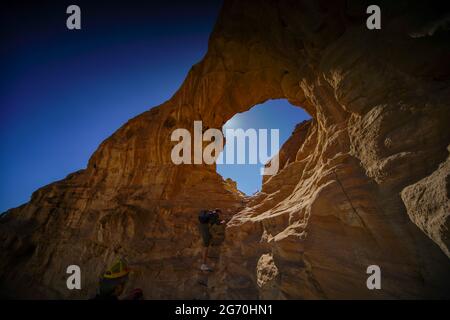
276,114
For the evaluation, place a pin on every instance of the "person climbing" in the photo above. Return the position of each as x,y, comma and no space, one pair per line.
208,219
113,282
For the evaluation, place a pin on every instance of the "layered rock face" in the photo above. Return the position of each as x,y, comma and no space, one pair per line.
365,182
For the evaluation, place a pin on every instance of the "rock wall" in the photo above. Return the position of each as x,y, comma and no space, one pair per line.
364,182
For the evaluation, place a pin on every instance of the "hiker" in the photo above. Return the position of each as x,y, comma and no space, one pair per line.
207,219
113,281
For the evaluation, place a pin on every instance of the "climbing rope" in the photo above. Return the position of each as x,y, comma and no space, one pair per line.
350,201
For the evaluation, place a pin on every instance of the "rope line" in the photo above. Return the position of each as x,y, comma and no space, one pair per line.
350,201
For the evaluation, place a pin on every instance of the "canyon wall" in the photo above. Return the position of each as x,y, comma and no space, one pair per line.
365,182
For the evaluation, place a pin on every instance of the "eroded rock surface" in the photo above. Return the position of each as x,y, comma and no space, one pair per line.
359,184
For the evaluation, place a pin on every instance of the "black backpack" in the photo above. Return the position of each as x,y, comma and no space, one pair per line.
203,217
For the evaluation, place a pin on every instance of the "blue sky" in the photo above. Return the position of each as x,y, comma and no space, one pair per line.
273,114
63,92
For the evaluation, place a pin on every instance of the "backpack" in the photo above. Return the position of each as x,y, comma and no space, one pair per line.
203,217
